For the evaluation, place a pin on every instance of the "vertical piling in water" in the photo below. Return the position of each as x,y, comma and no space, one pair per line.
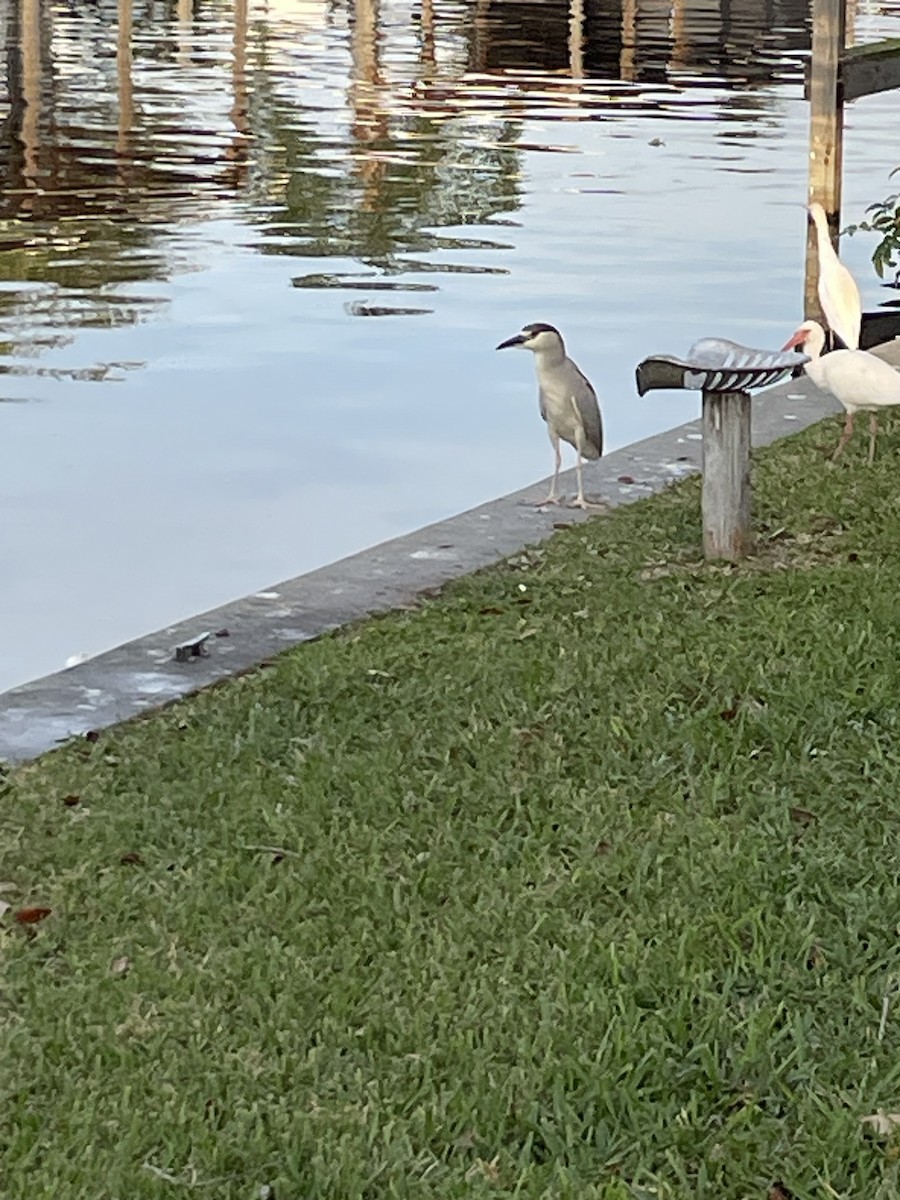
725,502
826,132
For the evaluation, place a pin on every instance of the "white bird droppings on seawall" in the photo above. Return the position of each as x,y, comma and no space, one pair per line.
433,554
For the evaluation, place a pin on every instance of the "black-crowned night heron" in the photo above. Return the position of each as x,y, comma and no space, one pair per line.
568,402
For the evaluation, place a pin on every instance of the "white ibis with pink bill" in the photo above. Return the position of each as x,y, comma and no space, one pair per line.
859,380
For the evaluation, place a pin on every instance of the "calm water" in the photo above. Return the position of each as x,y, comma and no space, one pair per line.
255,256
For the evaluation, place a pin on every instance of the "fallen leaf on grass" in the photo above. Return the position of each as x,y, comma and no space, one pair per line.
803,816
131,859
31,916
778,534
120,966
488,1169
71,800
530,734
490,610
658,572
780,1191
882,1124
562,524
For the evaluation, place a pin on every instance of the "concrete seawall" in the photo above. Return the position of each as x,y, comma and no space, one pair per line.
145,673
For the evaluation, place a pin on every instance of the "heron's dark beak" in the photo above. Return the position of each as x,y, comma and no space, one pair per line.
518,340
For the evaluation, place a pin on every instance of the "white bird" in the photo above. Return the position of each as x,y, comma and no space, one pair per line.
862,382
838,293
568,402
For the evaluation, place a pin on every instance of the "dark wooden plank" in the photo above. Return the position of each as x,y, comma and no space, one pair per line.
866,70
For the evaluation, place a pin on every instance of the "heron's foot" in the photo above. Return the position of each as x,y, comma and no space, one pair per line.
588,505
543,503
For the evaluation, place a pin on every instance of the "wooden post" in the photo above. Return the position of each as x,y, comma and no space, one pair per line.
826,132
725,504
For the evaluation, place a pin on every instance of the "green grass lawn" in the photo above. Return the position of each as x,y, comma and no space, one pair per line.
580,880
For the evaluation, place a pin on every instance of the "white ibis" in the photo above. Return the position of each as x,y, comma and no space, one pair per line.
862,382
838,293
568,402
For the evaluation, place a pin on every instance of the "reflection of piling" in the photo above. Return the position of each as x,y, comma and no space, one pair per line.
237,152
428,53
124,83
479,36
30,34
369,121
185,12
10,23
629,40
364,55
576,39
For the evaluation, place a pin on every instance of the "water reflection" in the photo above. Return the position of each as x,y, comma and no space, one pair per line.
199,200
739,43
372,193
408,162
93,175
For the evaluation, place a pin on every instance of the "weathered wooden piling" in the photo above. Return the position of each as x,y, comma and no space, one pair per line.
836,74
725,372
826,133
726,493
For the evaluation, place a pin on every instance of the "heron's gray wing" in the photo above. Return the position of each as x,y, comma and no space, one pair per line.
588,409
542,401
